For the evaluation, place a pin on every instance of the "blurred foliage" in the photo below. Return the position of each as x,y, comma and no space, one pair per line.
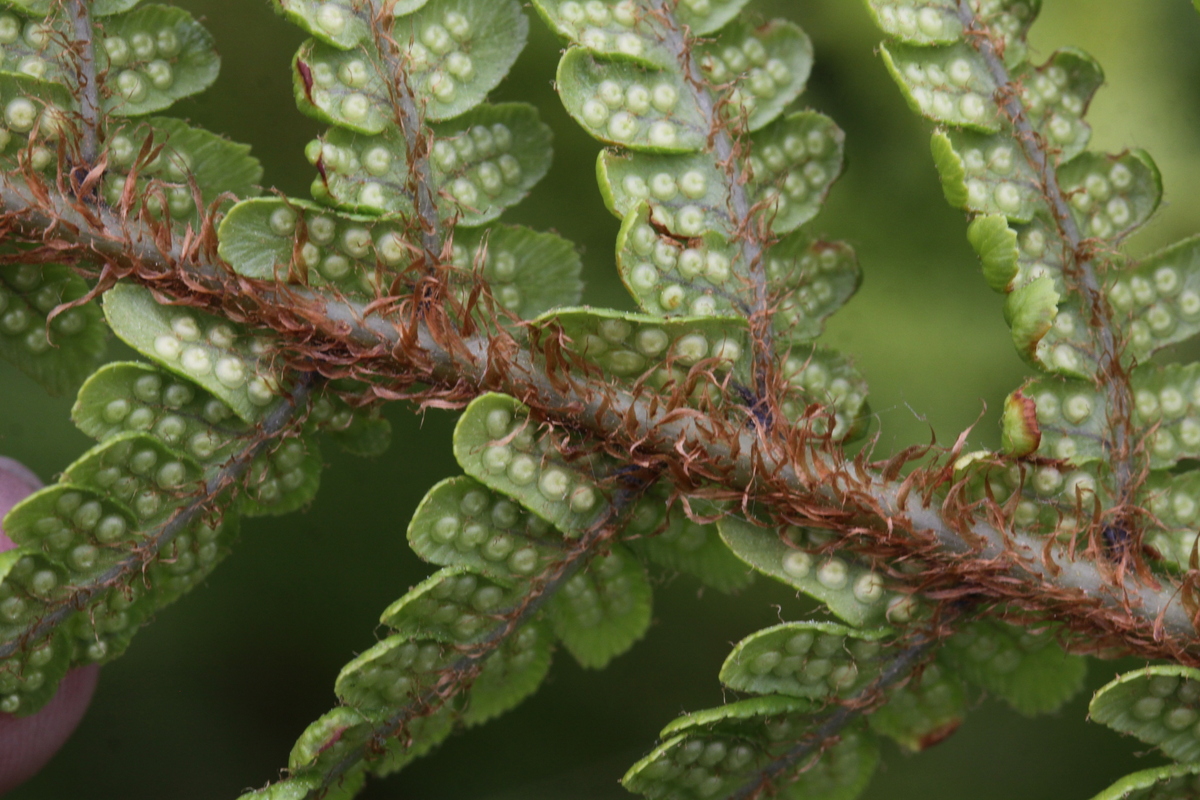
210,699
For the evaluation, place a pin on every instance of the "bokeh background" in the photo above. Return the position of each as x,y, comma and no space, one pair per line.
210,698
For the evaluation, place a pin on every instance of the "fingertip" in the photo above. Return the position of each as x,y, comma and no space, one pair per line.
28,743
16,483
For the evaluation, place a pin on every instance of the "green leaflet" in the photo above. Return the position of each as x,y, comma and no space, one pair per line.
441,34
658,111
156,55
707,273
630,345
463,523
360,432
528,272
457,51
1015,256
827,378
996,245
489,158
1055,497
1057,95
1158,300
923,712
986,174
950,85
600,612
344,23
453,605
929,22
716,752
1069,414
497,443
1174,782
1073,415
30,680
100,8
33,48
665,536
1157,705
336,734
805,659
129,397
140,472
768,66
794,164
510,675
853,593
401,672
615,29
275,239
31,582
484,162
622,29
1025,668
922,22
217,355
1173,498
77,337
35,111
153,56
284,479
621,103
1111,195
74,527
217,165
1049,331
702,276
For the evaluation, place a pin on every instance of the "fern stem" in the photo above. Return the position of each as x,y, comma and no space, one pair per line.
83,44
1111,374
411,123
229,473
728,156
464,670
888,517
899,668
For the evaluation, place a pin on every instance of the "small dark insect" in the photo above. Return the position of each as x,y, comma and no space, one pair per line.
1117,542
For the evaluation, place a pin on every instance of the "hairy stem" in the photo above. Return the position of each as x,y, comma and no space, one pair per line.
1111,375
219,481
798,480
412,124
87,87
748,236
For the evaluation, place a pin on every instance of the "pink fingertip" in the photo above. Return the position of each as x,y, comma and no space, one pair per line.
16,483
28,743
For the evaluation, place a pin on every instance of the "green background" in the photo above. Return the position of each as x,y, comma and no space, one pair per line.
210,698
